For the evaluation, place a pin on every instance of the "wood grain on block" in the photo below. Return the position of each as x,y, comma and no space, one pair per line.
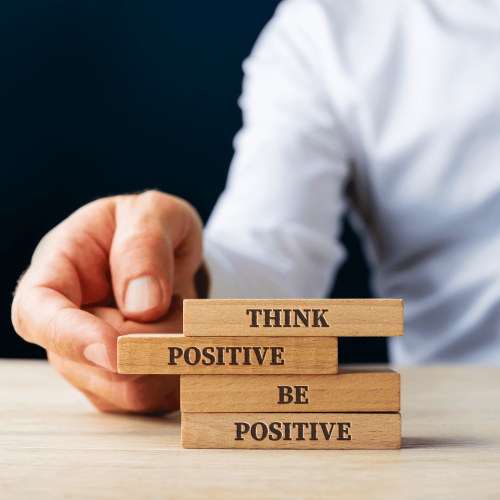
176,354
306,431
352,390
293,318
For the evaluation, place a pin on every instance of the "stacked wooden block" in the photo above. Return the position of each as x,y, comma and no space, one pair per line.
264,374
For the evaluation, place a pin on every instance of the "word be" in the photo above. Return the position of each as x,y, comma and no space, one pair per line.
286,394
283,430
193,355
319,319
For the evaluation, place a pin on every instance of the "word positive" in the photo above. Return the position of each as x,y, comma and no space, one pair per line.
285,320
237,355
290,431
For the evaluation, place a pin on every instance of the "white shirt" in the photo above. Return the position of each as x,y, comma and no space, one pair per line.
399,101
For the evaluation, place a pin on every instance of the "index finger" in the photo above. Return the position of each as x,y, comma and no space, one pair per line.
69,270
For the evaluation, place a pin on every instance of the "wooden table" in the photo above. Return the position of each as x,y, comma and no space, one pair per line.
53,444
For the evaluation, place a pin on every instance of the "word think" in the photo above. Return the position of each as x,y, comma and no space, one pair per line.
285,320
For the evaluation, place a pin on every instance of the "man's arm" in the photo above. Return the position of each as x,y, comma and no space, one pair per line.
275,229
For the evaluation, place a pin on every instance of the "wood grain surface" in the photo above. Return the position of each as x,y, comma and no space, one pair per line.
176,354
352,390
54,445
315,318
293,431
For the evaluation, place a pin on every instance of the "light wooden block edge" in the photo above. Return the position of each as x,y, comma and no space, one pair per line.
271,431
351,390
343,317
156,354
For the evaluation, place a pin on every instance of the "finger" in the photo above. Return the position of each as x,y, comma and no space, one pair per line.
69,269
143,394
101,404
46,311
57,363
85,239
156,251
170,323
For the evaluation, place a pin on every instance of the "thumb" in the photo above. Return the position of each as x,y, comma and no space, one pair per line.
156,251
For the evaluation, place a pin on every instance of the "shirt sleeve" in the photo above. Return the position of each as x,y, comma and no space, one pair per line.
274,232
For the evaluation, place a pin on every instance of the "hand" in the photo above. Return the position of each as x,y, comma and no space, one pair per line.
138,252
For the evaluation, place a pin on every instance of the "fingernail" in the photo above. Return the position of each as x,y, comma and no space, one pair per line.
97,354
143,294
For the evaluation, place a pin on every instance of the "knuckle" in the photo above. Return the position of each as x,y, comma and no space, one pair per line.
18,316
50,335
65,368
56,363
137,398
174,204
151,197
99,403
143,245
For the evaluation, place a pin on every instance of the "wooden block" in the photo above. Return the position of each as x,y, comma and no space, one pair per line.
176,354
293,318
305,431
352,390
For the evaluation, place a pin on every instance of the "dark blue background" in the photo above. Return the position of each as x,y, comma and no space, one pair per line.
101,97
